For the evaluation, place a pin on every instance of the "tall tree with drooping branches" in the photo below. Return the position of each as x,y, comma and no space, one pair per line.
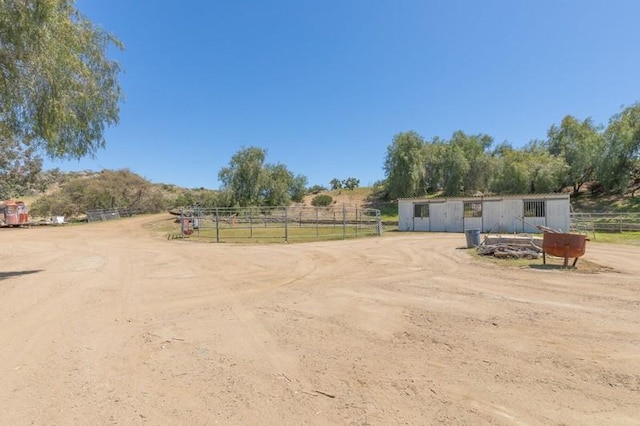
59,90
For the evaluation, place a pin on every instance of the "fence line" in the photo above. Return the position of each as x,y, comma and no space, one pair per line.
278,224
605,222
105,214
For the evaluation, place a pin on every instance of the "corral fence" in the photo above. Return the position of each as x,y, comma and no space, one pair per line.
278,224
101,215
605,222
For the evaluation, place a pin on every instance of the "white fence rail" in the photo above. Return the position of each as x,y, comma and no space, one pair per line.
605,222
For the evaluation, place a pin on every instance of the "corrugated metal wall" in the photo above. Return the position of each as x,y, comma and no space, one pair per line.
499,215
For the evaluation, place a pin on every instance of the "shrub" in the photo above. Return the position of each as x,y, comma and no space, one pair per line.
316,189
321,200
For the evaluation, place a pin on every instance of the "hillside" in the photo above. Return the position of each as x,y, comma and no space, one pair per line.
364,197
170,196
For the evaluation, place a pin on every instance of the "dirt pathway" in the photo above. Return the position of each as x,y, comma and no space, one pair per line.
113,324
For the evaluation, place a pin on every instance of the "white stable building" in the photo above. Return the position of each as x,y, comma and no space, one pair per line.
489,214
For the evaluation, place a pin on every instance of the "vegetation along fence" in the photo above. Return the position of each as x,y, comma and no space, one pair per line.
605,222
278,224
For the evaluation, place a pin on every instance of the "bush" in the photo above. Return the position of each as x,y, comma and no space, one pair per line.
316,189
321,200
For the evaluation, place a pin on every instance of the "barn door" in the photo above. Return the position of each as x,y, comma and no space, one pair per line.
512,216
437,217
455,216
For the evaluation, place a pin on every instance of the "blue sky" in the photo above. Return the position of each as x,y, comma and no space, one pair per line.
324,85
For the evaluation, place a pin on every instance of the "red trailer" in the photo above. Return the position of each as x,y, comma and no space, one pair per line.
13,213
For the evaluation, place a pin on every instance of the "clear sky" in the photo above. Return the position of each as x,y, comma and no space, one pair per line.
324,85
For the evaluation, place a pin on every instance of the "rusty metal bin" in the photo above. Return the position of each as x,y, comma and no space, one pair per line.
563,245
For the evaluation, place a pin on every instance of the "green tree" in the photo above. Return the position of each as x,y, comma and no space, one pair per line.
351,183
531,169
244,178
512,174
579,144
547,173
477,170
249,181
20,169
335,183
298,188
277,183
58,89
404,166
455,169
622,137
634,180
434,162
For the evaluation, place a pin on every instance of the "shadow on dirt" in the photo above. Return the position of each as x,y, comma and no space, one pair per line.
552,267
10,274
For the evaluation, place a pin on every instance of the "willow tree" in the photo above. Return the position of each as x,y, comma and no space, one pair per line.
619,162
58,89
580,144
404,166
249,181
20,168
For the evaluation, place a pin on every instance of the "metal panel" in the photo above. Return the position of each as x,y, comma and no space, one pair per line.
421,224
511,220
492,216
438,217
473,223
405,216
530,224
455,216
558,214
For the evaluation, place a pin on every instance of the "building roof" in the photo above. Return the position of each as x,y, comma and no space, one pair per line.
553,196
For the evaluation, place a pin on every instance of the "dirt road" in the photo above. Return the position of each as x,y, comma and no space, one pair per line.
114,324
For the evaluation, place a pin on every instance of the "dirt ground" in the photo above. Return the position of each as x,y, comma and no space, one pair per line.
114,324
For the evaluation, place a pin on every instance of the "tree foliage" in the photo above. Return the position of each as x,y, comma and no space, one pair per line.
204,198
434,164
245,176
108,189
20,168
575,152
579,144
335,183
58,89
404,166
249,181
315,189
529,170
321,200
473,160
351,183
298,188
622,149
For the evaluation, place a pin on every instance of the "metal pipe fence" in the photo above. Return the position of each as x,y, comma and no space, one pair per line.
101,215
278,224
605,222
